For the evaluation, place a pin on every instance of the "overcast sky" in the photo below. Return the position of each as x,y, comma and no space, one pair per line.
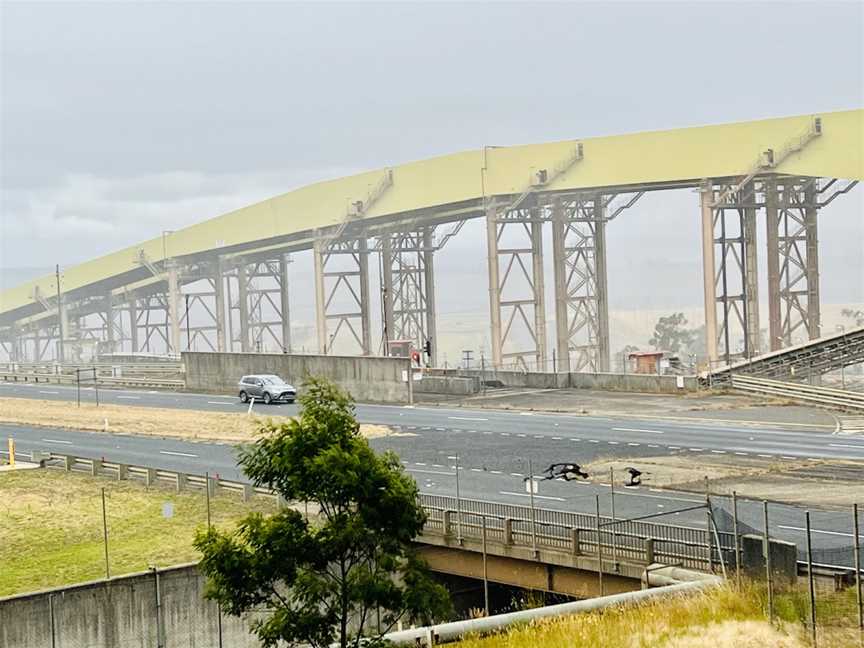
120,120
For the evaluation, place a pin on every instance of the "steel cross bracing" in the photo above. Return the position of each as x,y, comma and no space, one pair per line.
793,259
407,287
342,294
581,296
516,298
259,318
729,228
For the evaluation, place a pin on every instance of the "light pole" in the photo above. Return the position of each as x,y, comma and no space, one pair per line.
458,497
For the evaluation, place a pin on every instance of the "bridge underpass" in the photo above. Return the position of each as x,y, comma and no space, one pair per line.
221,285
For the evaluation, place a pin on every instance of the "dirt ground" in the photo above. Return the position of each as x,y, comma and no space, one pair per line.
187,424
799,482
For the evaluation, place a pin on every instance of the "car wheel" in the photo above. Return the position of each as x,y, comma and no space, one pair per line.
244,397
290,401
267,398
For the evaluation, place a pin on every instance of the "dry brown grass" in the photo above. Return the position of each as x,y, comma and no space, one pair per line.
148,421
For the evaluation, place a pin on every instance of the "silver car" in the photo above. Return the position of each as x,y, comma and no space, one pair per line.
266,388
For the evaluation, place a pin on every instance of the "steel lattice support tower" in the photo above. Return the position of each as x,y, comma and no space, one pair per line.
342,292
581,292
729,257
793,258
516,297
408,287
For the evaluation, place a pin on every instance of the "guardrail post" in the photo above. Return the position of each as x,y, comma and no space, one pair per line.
95,467
648,547
149,476
181,481
122,472
248,492
508,531
211,486
574,541
68,462
446,523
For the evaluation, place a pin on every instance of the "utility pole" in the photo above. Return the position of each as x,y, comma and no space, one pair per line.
59,312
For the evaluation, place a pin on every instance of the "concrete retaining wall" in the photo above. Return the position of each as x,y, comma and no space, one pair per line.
367,379
449,385
646,383
121,612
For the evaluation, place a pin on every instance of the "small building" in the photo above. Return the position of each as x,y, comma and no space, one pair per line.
646,362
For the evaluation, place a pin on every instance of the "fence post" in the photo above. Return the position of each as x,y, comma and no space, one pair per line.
122,472
95,467
737,540
766,549
149,476
446,523
67,463
248,492
181,481
574,541
508,531
858,569
649,550
811,587
599,546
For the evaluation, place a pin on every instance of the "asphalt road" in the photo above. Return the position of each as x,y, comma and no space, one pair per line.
494,449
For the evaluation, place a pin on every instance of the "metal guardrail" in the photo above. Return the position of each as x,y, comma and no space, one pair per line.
108,381
847,400
563,531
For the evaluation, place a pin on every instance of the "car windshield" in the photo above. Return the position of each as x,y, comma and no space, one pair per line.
272,380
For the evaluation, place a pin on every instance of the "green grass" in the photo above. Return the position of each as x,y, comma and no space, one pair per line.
720,618
51,527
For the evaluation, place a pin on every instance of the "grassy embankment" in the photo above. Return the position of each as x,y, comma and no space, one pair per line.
149,421
51,527
721,618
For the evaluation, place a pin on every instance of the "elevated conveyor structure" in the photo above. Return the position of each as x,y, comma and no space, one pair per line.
801,362
235,277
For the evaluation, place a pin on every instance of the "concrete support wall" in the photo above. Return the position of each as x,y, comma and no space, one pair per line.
368,379
121,612
643,383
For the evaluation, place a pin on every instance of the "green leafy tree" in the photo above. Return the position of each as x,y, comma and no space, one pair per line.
671,334
324,580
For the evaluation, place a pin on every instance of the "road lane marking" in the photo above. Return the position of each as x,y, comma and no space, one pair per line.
617,429
543,497
613,443
556,438
476,470
719,451
765,456
48,392
466,418
633,444
834,533
220,403
130,397
417,463
845,445
57,441
178,454
787,457
496,472
505,434
741,454
526,413
430,472
697,449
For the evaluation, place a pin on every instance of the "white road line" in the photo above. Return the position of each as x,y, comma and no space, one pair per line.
786,457
496,472
617,429
653,445
834,533
417,463
845,445
476,470
522,435
430,472
177,454
593,441
526,413
634,444
517,474
719,451
539,436
57,441
674,447
437,465
466,418
742,454
765,456
220,403
542,497
129,397
697,449
613,443
505,434
47,392
556,438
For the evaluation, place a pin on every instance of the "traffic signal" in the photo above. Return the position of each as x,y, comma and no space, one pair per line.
427,348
